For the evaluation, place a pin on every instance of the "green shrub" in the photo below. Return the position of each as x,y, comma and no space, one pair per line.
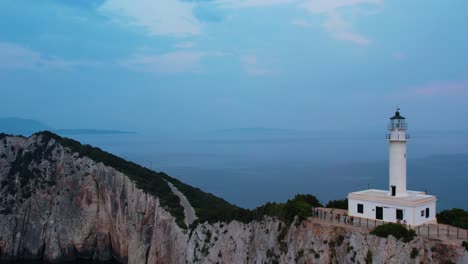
368,258
414,253
454,217
397,230
465,245
339,204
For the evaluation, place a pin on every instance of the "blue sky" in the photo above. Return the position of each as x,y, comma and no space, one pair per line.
188,65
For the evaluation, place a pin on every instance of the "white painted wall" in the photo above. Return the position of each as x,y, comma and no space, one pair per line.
412,215
397,166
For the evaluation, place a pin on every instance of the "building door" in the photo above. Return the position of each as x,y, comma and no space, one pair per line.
379,212
399,214
393,190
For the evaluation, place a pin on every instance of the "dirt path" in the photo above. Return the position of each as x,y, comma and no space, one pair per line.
188,209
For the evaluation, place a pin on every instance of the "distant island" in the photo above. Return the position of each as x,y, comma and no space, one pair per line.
26,127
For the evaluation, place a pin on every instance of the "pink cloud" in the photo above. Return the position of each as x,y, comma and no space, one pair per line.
440,88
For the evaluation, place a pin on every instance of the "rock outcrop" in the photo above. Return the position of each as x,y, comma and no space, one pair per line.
57,205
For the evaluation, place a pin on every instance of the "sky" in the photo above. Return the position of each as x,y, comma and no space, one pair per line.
191,65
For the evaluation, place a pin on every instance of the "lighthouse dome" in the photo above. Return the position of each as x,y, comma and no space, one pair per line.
397,116
397,122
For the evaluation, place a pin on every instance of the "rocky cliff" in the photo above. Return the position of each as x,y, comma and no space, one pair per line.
58,204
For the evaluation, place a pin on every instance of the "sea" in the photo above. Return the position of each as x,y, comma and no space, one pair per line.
249,167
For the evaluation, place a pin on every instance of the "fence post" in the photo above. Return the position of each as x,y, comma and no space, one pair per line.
428,235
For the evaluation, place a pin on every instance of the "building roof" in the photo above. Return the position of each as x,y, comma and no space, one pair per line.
397,115
413,198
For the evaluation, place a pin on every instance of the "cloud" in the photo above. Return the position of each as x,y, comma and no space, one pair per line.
338,28
170,17
252,3
301,22
207,12
169,63
18,57
185,45
440,88
252,67
334,10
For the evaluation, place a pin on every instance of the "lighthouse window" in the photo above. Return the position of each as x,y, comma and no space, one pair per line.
360,208
427,212
422,212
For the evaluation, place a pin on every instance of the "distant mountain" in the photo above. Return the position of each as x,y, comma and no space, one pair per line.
26,127
66,132
21,126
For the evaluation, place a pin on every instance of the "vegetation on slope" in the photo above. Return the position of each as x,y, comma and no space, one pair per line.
339,204
399,231
300,206
454,217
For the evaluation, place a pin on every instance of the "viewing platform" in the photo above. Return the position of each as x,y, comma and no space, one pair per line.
396,137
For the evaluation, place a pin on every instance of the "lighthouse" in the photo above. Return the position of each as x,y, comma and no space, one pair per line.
397,155
396,204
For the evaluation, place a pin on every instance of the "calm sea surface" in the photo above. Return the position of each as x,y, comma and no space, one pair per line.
249,169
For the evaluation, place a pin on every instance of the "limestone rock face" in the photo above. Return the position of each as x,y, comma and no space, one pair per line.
56,205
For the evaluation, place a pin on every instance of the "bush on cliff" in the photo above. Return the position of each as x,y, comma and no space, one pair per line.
339,204
465,245
454,217
301,206
399,231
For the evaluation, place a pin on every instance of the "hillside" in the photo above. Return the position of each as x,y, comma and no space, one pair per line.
207,206
61,200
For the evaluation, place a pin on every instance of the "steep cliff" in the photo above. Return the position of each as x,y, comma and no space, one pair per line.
60,201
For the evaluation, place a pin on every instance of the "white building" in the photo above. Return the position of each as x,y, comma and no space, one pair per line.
396,203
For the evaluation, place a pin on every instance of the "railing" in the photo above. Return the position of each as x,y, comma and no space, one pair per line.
439,231
398,126
397,137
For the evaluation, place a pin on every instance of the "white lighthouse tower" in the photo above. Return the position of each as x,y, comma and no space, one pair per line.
396,204
397,157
